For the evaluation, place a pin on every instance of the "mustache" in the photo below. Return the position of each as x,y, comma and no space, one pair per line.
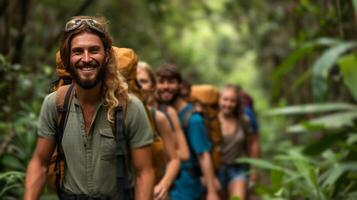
91,64
165,90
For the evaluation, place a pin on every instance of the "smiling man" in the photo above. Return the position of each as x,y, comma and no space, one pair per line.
87,55
188,185
90,146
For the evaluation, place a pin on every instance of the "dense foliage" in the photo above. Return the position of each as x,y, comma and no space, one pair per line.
298,55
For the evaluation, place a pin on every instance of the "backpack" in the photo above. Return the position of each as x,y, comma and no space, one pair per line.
206,97
127,62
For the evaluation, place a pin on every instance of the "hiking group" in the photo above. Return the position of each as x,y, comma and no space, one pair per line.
113,129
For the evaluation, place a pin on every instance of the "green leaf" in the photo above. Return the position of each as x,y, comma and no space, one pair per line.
312,108
9,181
322,66
354,2
304,127
333,174
288,64
328,141
301,79
309,172
2,59
11,162
332,122
352,138
276,179
348,69
261,164
336,120
324,42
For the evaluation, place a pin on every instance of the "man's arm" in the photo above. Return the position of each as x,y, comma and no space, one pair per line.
144,181
182,147
199,141
173,162
208,174
36,173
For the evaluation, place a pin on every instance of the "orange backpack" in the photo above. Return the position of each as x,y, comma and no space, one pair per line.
206,97
127,63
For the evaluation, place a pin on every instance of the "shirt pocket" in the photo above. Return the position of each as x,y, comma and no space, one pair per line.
107,144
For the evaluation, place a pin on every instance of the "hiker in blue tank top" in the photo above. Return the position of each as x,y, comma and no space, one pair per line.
188,185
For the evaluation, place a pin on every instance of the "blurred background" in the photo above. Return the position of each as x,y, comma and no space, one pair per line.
296,58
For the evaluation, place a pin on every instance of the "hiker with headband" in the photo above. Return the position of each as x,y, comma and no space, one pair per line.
100,130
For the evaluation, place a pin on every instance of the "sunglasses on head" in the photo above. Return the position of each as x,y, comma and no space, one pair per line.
76,23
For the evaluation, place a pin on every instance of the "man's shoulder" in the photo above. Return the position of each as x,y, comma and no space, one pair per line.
186,109
194,117
134,105
133,99
50,98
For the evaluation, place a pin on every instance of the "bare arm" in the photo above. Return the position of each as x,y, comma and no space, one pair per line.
254,152
208,174
173,164
254,149
36,173
144,181
182,146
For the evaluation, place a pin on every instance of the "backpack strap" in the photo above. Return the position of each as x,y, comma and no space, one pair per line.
187,117
195,170
64,98
125,190
163,109
153,116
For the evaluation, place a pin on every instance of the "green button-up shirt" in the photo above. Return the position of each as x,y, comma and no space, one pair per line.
90,159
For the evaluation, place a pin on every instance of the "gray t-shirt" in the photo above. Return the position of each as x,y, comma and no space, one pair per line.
90,159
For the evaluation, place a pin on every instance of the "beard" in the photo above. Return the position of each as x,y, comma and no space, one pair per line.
170,101
87,84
